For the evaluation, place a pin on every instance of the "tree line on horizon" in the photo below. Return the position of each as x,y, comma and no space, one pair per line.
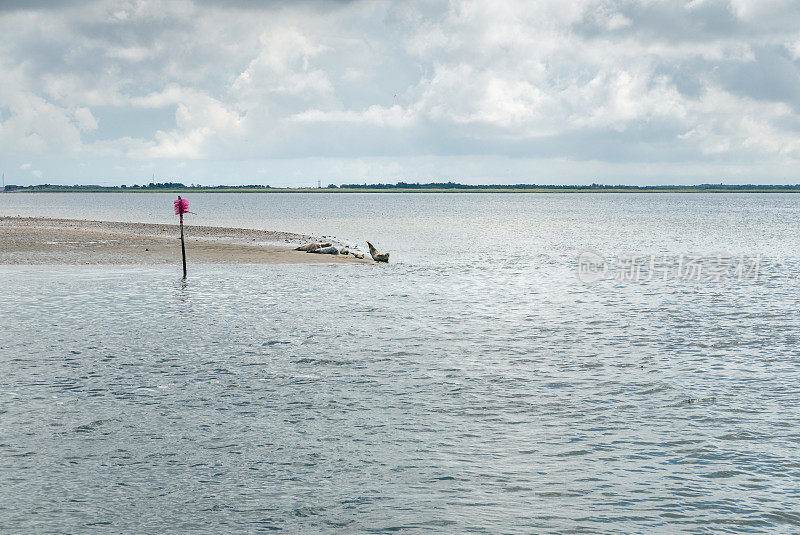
406,186
151,185
456,185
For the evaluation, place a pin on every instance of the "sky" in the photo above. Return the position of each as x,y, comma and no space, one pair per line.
502,91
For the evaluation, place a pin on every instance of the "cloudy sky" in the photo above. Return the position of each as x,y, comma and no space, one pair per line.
288,93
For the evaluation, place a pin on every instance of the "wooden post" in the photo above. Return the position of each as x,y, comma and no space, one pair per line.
183,249
183,245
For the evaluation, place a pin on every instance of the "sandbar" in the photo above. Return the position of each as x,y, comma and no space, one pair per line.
43,241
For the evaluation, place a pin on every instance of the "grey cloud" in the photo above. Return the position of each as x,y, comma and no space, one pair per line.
670,21
268,4
115,122
686,22
772,75
686,75
33,5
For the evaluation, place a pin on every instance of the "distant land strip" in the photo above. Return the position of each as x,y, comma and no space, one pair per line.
408,187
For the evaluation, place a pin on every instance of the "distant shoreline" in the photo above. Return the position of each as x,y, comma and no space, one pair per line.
421,190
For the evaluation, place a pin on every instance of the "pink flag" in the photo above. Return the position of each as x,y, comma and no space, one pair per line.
181,206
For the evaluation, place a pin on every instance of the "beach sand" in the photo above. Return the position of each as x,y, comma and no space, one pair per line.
36,240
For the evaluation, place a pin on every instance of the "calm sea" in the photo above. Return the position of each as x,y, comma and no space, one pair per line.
576,363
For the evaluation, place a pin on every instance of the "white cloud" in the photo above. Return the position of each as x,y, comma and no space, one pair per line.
394,116
85,120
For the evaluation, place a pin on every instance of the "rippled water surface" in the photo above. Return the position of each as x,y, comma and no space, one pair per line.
474,384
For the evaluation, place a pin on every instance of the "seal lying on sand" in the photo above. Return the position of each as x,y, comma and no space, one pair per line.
326,250
312,246
376,256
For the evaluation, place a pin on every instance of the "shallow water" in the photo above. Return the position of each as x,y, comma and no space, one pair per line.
474,384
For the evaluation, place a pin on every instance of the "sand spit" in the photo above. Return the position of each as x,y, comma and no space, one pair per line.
38,240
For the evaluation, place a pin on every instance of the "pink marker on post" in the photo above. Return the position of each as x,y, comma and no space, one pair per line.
182,207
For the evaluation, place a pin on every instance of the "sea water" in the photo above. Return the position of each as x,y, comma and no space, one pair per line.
580,363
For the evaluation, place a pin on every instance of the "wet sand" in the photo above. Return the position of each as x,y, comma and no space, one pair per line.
36,240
